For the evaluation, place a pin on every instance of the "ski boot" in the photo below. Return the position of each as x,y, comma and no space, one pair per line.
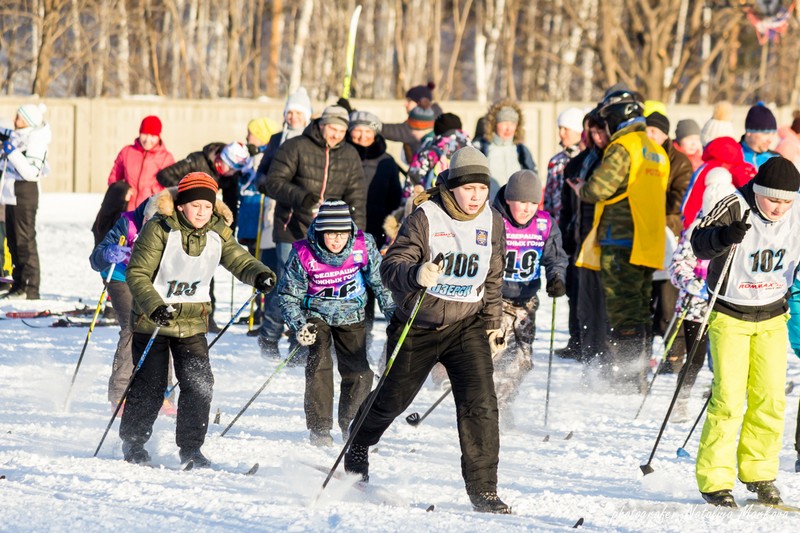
356,461
269,349
720,498
195,456
321,438
766,492
488,502
135,453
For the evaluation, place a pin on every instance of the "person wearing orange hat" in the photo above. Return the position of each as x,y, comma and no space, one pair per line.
137,164
169,275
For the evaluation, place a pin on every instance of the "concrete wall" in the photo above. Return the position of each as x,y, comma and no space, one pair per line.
88,133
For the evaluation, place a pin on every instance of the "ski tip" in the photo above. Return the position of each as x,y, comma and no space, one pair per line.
188,465
428,510
578,524
546,438
252,471
569,436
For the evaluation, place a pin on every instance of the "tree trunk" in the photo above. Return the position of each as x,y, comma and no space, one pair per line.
295,79
123,51
275,34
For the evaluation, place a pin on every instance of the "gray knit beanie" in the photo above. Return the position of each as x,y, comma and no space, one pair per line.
365,118
334,114
524,186
685,128
468,165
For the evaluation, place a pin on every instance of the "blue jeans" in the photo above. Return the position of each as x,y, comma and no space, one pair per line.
271,327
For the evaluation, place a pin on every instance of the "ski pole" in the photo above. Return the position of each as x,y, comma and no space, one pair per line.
550,362
414,419
264,386
350,53
223,330
646,468
681,451
130,383
91,325
673,333
367,405
258,253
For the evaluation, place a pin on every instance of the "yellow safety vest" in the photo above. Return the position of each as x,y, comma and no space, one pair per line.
646,193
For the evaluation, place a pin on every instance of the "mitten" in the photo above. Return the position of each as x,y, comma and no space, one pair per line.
733,233
307,335
114,253
162,315
496,341
555,288
428,274
8,147
265,282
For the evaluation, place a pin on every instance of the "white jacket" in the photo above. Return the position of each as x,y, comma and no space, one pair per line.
27,162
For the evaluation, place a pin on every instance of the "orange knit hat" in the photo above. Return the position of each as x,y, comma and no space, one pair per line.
197,186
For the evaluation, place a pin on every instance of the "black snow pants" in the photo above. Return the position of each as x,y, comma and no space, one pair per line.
463,349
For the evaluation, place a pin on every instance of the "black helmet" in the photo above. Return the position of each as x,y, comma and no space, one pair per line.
619,107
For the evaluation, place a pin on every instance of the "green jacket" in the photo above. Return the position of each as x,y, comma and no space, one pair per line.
190,318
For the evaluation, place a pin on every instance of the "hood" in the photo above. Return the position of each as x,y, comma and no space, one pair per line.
323,253
725,150
163,203
491,120
373,151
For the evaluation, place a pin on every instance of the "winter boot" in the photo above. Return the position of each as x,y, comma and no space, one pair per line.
269,349
488,502
321,438
195,456
135,453
767,492
356,461
720,498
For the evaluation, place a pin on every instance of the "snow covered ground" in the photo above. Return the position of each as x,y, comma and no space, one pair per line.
52,482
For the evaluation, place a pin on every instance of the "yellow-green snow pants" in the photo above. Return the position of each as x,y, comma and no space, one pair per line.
749,363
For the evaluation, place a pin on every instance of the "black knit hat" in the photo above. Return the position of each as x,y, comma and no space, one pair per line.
446,122
777,178
760,119
333,215
420,93
467,165
657,120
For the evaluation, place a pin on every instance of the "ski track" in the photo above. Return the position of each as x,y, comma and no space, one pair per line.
54,484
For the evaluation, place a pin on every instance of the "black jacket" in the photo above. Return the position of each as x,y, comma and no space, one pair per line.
204,161
384,191
303,170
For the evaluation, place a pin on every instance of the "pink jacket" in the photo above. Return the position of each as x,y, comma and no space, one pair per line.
138,168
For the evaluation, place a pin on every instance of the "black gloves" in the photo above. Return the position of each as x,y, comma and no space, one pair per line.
556,288
162,315
345,103
310,201
733,233
265,282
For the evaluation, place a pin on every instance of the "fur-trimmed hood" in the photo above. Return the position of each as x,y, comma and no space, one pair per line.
491,120
163,203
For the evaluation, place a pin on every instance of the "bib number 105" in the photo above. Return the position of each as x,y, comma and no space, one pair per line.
181,288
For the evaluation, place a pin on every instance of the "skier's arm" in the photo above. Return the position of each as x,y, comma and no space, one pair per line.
118,170
277,184
119,229
356,193
372,275
492,311
554,259
609,177
706,241
239,262
144,262
406,254
292,288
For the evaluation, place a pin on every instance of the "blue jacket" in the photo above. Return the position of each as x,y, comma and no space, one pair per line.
293,286
753,158
121,228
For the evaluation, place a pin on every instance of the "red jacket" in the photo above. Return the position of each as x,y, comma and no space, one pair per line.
721,152
138,168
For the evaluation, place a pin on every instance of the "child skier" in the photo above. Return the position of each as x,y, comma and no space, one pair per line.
458,321
172,263
747,332
323,297
532,240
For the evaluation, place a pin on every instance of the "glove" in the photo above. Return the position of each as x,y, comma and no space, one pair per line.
162,315
345,103
698,289
114,253
496,341
428,274
555,288
265,282
307,335
8,147
733,233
